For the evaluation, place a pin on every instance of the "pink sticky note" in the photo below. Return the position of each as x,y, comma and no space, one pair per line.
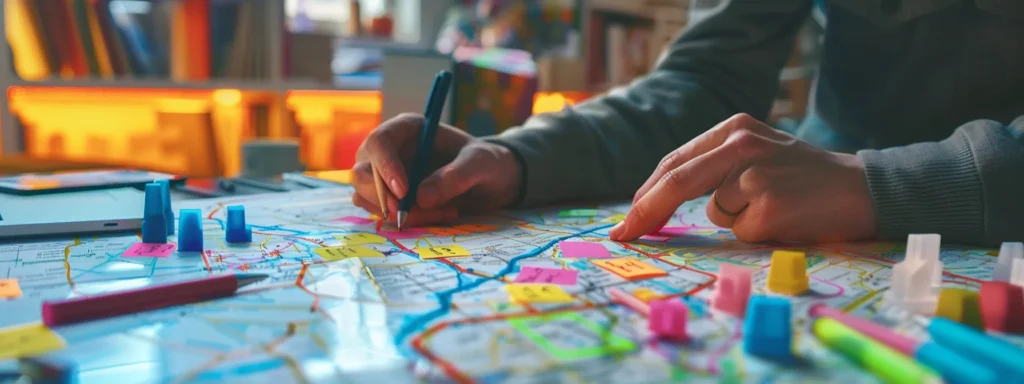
675,231
583,250
149,250
355,220
410,233
654,238
547,275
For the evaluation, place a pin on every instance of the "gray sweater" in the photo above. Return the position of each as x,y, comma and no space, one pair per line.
930,92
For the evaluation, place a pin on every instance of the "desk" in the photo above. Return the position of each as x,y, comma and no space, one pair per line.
370,319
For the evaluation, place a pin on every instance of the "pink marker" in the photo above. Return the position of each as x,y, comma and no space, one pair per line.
903,344
668,319
629,301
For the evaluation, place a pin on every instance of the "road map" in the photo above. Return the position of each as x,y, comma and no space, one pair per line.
378,313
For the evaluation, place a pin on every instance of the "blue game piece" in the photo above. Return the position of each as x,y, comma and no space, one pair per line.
154,226
767,331
190,230
1000,355
237,231
165,189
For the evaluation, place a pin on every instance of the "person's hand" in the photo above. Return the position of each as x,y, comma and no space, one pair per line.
465,174
767,186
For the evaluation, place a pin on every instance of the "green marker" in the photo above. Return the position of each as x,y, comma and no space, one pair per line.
882,361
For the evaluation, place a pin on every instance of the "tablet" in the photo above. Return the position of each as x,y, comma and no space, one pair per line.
108,210
43,183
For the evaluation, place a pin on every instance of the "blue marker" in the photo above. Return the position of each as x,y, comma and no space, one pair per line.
190,230
154,226
1005,358
425,151
954,368
165,189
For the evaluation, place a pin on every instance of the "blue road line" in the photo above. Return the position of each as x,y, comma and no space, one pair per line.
444,298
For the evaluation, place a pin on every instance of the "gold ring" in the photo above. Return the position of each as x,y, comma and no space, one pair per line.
714,198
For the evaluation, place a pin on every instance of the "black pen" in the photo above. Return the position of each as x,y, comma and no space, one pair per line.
432,117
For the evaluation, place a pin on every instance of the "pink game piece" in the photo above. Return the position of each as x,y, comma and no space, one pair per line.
583,250
149,250
547,275
411,233
355,220
668,319
733,289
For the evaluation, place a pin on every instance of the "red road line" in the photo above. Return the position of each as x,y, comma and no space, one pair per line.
213,212
205,261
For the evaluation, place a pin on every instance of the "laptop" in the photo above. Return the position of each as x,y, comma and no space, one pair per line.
108,210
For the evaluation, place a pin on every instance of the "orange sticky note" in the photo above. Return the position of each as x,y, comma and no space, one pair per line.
438,231
9,289
439,252
477,228
630,268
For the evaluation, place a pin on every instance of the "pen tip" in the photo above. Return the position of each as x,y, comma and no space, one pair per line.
400,219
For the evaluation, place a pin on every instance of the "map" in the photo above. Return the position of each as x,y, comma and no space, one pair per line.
379,312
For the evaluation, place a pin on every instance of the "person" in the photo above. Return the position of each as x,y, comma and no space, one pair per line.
916,127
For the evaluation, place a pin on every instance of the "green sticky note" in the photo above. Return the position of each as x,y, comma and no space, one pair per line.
587,212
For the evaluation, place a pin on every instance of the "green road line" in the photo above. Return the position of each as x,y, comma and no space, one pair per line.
610,345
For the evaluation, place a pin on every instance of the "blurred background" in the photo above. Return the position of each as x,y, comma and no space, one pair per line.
179,86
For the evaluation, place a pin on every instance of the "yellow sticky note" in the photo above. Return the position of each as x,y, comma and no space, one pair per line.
477,228
437,231
361,238
348,252
645,294
618,217
9,289
28,340
630,268
439,252
537,293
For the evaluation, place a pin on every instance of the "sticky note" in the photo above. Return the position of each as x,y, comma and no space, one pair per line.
438,231
583,212
149,250
675,231
477,228
354,220
537,293
411,233
28,340
583,249
427,253
9,289
630,268
547,275
346,252
616,218
361,238
645,294
654,238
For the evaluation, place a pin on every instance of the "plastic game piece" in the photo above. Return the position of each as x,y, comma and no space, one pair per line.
1008,252
237,231
190,230
767,331
960,305
788,273
915,281
732,291
667,319
990,351
882,361
154,225
1002,306
1017,273
165,193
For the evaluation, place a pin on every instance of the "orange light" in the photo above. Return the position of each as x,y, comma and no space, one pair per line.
546,102
227,97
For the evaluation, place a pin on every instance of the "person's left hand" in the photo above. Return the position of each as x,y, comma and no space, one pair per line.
767,184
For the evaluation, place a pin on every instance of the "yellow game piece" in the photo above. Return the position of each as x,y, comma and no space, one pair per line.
630,268
9,289
477,228
645,294
437,231
360,238
348,252
439,252
788,273
960,305
537,293
28,340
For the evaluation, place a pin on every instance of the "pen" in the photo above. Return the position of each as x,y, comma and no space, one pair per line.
96,307
884,362
1003,357
382,197
432,117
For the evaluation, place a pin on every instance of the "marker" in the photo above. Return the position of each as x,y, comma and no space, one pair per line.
1000,355
884,362
96,307
949,364
432,117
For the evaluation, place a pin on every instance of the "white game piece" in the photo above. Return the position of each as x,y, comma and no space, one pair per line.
1007,254
916,281
1017,272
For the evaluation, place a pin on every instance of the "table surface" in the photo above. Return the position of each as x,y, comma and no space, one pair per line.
392,315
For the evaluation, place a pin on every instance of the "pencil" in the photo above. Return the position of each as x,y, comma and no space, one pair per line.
382,196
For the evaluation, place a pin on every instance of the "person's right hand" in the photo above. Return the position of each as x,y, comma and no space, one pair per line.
465,175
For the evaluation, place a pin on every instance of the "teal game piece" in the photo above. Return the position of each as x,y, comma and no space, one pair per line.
165,191
190,230
767,331
237,231
154,226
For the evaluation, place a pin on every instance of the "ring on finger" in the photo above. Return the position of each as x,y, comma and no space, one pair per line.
714,199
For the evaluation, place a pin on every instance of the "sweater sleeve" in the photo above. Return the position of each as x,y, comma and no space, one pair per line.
726,62
967,188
